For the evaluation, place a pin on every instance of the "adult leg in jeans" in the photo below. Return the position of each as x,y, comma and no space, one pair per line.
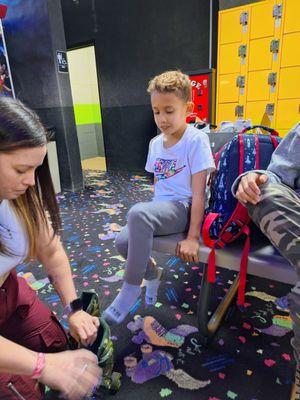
145,220
278,216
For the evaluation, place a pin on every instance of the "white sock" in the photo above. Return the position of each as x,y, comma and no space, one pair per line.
152,288
120,307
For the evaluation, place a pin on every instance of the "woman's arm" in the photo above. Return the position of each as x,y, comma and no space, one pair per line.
52,255
188,249
15,359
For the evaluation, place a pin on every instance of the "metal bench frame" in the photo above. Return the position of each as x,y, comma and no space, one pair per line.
263,261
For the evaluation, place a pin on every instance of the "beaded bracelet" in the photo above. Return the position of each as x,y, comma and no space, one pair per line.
40,364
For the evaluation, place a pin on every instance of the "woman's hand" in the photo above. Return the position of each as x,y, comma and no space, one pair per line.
83,327
248,190
188,250
75,374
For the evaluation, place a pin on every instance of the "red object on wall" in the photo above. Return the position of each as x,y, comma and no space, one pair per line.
3,10
203,96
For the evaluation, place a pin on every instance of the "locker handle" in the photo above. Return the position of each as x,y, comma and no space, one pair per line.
272,78
240,81
242,52
239,111
277,11
274,46
270,109
244,18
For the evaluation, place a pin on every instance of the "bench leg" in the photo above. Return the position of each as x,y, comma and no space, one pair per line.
208,326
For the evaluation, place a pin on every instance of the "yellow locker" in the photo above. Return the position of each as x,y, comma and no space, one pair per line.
291,16
271,78
260,56
262,20
228,90
289,83
230,27
226,112
229,60
258,87
288,114
290,55
256,112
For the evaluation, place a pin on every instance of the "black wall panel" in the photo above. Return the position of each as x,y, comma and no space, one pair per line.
34,31
134,40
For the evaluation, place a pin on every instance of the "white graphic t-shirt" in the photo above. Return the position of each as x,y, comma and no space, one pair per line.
13,237
173,167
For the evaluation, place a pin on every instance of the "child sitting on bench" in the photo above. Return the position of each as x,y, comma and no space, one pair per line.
180,158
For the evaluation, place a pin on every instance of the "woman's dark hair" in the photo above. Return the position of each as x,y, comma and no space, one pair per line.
20,127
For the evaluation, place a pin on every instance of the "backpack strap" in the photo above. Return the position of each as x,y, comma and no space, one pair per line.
257,158
242,153
211,270
237,224
218,154
208,221
274,141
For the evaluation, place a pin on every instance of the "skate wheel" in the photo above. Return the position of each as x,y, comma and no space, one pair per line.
115,382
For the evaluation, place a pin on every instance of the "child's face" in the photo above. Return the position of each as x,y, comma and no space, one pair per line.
170,112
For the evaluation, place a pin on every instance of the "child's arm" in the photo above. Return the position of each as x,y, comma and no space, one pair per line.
188,249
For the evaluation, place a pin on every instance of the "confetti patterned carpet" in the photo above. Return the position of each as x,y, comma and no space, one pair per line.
157,349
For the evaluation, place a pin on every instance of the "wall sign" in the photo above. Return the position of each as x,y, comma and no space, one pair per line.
62,61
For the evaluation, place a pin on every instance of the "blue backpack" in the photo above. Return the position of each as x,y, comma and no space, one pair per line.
226,219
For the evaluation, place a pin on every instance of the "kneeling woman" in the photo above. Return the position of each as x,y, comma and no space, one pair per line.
32,342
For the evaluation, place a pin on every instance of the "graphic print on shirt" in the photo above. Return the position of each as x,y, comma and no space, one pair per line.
164,169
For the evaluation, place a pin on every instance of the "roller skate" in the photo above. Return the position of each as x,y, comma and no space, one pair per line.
103,346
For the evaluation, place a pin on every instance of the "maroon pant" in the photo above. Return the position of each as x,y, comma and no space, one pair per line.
25,320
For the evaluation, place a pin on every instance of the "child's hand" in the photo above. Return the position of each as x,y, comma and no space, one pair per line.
188,250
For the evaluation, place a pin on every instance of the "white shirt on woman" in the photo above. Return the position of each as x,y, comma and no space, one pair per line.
14,238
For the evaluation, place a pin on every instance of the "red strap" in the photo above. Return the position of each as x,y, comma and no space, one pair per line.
274,141
242,153
209,219
243,268
257,159
211,271
218,154
274,132
239,216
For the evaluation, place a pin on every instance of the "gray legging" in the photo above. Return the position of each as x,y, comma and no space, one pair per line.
144,221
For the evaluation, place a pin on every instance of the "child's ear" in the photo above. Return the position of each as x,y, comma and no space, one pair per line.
189,107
